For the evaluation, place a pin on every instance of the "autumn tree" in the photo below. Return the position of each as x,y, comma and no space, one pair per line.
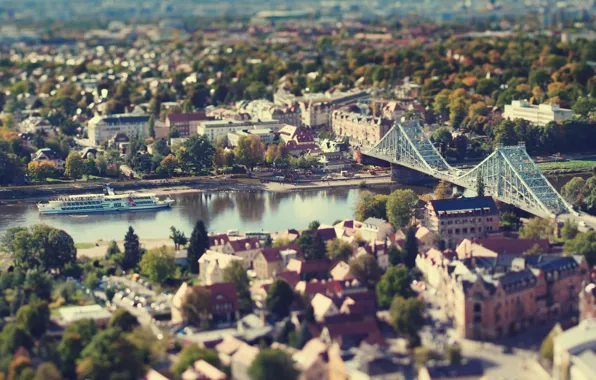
250,151
366,270
41,170
371,206
443,190
197,305
169,164
75,165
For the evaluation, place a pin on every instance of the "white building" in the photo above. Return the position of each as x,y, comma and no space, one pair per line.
214,129
265,134
574,352
72,314
212,265
103,128
539,115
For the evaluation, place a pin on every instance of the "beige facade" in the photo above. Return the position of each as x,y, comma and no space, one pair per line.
101,128
539,115
361,129
265,267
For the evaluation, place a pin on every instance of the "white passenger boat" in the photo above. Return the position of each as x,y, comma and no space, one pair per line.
107,202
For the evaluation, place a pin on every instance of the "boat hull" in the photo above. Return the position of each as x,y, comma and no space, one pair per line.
105,210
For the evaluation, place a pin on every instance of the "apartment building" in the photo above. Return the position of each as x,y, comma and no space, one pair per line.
101,128
265,110
539,115
453,220
185,123
361,129
214,129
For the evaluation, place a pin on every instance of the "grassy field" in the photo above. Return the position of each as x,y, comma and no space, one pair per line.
84,245
568,165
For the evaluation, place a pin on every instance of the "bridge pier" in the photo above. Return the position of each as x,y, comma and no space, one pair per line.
407,176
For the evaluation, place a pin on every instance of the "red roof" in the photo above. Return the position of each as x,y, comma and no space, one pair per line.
328,288
368,327
216,239
316,266
503,245
222,293
271,254
326,233
290,277
240,244
186,117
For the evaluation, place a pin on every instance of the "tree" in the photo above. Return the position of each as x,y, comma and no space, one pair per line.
454,355
178,238
569,230
75,165
151,126
395,256
47,371
196,305
236,273
132,250
199,243
272,364
34,318
443,190
195,154
113,252
280,297
537,228
407,316
169,164
366,270
158,264
443,136
338,249
122,319
480,185
410,248
40,171
395,282
110,356
583,244
192,353
400,207
547,346
584,106
12,338
314,225
101,165
573,190
250,151
371,206
10,168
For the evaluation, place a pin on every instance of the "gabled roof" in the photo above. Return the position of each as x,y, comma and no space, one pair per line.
220,239
271,254
223,292
241,244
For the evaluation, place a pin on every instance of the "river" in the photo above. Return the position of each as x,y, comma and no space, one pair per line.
243,211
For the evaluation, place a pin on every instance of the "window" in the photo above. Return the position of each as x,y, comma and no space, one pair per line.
450,231
477,308
472,230
457,231
465,231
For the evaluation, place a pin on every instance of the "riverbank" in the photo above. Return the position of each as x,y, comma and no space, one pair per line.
173,187
97,249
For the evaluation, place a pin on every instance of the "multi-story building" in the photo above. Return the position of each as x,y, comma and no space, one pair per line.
361,129
101,128
185,123
265,110
489,301
265,134
214,129
453,220
574,352
539,115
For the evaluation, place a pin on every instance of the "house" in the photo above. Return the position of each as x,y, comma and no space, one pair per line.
326,233
349,332
299,135
312,269
201,370
348,228
48,155
226,349
499,245
223,302
36,124
453,220
574,352
102,128
212,265
374,229
241,361
323,307
311,360
218,243
341,272
246,248
268,263
89,153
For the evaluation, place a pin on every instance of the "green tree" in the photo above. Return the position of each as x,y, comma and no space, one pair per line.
196,306
11,168
69,351
454,355
250,151
547,346
132,250
12,337
480,185
573,190
569,230
366,270
151,126
113,252
280,297
395,256
34,318
407,316
272,364
314,225
584,106
110,356
123,320
101,165
195,154
178,238
410,248
236,274
158,264
443,136
199,243
47,371
583,244
400,207
338,249
537,228
395,282
192,353
75,165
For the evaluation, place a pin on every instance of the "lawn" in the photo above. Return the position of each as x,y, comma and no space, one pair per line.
568,165
84,245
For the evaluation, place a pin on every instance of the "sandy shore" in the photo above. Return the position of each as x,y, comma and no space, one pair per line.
100,246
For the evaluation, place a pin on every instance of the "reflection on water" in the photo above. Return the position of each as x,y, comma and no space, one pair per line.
220,212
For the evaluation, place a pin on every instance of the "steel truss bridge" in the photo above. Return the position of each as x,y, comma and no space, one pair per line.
508,174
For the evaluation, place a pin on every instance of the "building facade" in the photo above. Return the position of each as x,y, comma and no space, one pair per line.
101,128
453,220
265,110
361,129
185,123
539,115
214,129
